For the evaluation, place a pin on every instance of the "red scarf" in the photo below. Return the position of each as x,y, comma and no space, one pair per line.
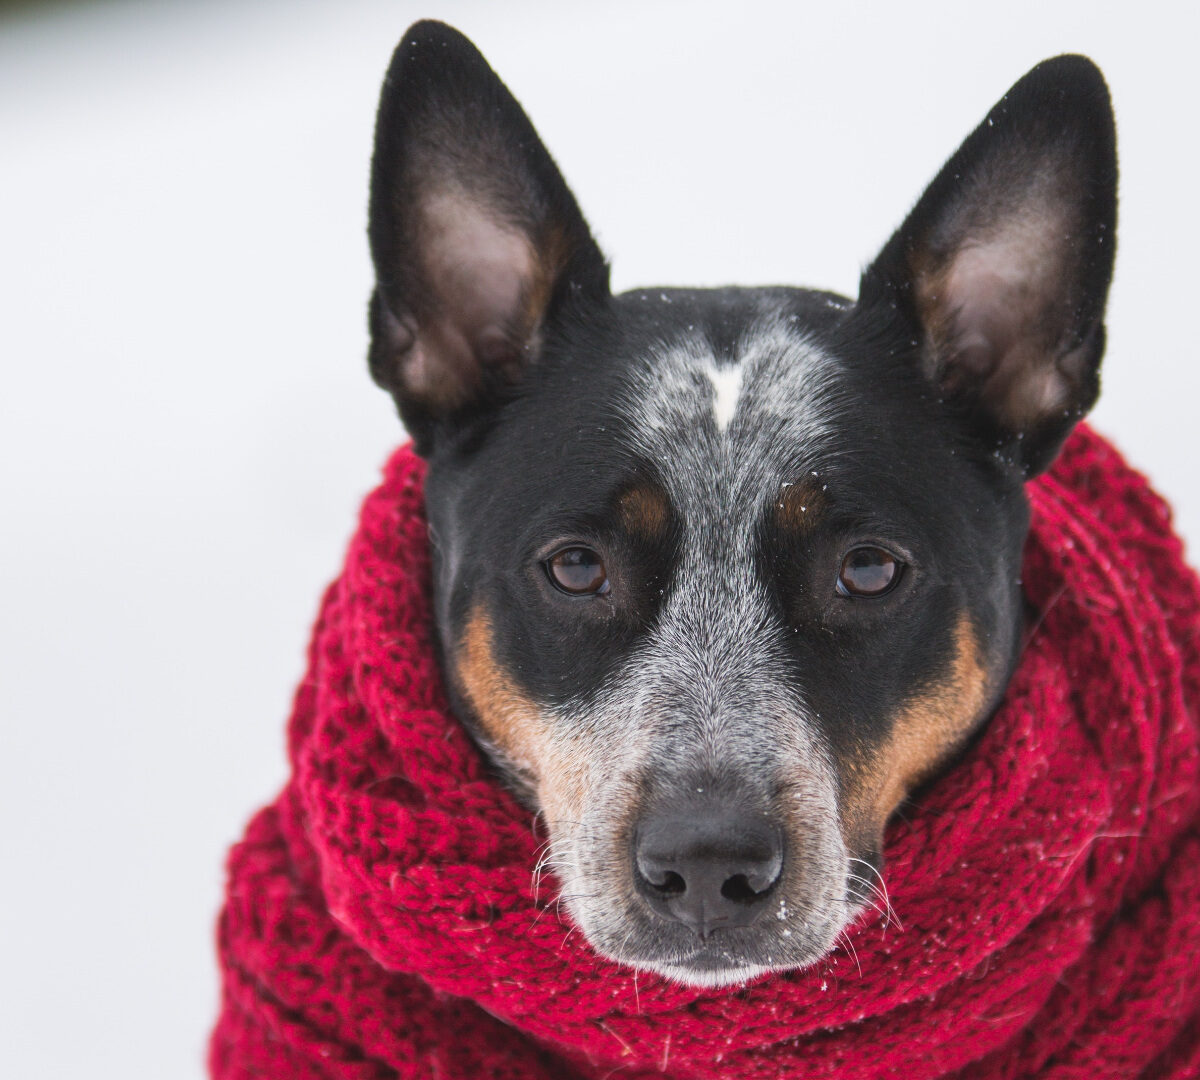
380,919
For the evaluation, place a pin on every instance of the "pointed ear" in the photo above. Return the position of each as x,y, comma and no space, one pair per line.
477,242
1004,265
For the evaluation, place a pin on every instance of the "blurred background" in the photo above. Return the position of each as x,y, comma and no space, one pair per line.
186,422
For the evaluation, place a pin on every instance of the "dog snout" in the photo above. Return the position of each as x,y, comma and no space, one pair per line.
709,866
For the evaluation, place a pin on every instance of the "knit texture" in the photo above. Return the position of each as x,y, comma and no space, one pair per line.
381,918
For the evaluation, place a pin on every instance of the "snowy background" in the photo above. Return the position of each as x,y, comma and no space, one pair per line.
186,423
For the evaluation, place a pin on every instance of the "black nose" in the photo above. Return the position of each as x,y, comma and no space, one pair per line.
710,867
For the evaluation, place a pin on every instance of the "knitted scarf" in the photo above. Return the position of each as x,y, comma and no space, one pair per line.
381,919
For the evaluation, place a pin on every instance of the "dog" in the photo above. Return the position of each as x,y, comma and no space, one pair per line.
722,576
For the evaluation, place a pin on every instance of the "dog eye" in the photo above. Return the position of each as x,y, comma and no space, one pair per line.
578,571
868,571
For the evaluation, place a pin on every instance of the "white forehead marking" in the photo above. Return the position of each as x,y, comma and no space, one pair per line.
771,400
727,388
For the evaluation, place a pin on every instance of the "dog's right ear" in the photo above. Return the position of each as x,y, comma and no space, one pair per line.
477,242
1002,269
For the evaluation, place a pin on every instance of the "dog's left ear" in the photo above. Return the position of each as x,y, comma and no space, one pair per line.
1004,265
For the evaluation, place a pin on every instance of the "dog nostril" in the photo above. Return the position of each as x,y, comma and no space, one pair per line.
739,889
671,884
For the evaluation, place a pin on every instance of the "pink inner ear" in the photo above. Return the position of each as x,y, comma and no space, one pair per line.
479,273
1002,311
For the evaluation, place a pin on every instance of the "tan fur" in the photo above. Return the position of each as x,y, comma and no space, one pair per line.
521,733
645,511
925,734
799,506
552,252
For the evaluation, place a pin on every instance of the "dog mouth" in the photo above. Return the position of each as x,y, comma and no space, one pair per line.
788,936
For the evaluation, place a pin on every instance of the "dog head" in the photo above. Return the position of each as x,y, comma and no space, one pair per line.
722,575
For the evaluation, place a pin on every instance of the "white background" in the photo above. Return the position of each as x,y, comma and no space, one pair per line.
186,423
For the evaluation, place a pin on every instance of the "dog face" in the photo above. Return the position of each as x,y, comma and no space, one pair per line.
720,576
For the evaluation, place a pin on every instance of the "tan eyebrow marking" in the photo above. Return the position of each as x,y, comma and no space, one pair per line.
799,505
645,511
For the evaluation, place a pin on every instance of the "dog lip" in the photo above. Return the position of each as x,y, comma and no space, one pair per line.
703,967
720,951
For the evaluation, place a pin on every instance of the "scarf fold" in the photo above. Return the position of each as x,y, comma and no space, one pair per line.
381,918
